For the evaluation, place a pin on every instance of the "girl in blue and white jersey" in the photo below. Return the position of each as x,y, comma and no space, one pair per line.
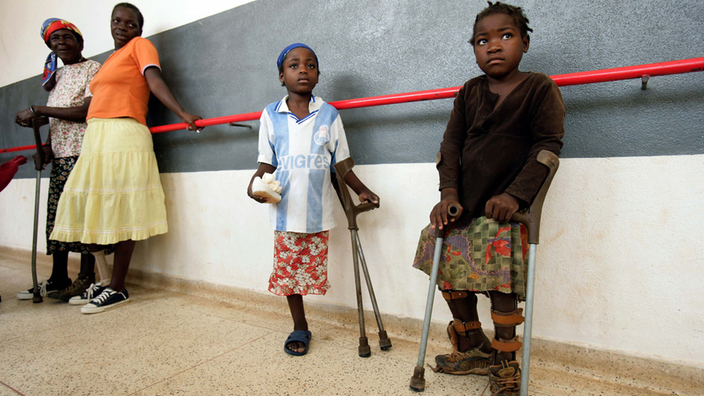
300,139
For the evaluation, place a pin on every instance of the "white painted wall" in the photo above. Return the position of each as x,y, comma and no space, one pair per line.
619,262
21,46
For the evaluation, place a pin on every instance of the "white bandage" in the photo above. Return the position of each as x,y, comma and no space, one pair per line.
267,187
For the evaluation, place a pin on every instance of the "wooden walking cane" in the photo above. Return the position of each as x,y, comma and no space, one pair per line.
37,122
351,211
529,217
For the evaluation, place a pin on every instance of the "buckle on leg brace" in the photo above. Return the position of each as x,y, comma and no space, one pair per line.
454,294
462,327
506,345
507,319
458,327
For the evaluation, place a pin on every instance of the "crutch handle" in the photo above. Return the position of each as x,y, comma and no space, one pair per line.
351,210
452,211
531,216
38,122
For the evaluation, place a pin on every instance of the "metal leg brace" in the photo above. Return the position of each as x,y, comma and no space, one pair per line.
531,218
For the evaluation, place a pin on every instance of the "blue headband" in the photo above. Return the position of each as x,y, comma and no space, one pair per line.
288,49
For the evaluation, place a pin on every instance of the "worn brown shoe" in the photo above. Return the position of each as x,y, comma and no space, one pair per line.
505,379
76,289
473,361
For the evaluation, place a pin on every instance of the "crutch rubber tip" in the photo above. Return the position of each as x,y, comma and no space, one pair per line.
364,349
418,379
384,341
37,299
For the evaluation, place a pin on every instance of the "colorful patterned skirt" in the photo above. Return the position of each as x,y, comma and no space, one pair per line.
60,169
485,255
300,263
114,192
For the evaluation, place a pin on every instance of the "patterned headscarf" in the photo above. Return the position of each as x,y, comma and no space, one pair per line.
288,49
48,27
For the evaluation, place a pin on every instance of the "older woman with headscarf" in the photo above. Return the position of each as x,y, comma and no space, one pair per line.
69,98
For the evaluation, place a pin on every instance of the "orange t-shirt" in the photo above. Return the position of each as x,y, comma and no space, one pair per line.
120,89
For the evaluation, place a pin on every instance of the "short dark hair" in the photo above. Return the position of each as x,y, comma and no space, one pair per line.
140,17
516,13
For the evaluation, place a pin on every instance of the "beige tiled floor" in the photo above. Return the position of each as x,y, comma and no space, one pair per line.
166,343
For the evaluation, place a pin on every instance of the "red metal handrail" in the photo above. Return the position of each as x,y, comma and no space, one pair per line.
588,77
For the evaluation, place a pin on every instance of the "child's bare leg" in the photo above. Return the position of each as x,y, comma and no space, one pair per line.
464,309
504,305
295,304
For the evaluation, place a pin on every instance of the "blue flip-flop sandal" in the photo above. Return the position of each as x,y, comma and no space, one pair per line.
298,336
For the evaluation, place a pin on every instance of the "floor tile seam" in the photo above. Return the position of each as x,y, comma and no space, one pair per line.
11,388
198,365
486,388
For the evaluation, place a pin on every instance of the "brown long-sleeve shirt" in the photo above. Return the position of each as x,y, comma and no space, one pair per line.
487,151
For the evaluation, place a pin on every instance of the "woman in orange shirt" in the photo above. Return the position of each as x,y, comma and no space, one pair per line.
114,194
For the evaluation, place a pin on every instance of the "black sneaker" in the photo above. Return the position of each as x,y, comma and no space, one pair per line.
45,288
78,287
109,298
91,292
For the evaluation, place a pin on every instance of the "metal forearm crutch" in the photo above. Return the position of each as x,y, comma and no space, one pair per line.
351,211
531,218
418,378
37,122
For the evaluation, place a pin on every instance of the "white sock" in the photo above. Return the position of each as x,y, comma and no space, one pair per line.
103,271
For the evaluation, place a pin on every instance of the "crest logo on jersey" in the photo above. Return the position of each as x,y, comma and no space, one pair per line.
322,137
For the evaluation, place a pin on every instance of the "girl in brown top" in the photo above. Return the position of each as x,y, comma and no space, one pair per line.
488,168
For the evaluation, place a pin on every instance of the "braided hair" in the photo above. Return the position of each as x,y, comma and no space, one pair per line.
516,13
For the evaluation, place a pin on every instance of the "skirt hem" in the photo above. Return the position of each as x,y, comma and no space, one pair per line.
111,238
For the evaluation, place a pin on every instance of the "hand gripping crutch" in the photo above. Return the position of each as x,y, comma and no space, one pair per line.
531,218
351,211
418,378
37,122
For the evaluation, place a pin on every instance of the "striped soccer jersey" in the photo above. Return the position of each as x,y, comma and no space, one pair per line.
303,152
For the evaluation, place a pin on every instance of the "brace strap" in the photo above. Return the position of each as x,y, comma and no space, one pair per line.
454,294
507,319
462,327
506,345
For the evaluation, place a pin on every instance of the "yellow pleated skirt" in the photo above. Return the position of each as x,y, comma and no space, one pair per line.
114,192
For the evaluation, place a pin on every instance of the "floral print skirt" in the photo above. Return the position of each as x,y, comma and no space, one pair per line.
485,255
60,169
300,263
